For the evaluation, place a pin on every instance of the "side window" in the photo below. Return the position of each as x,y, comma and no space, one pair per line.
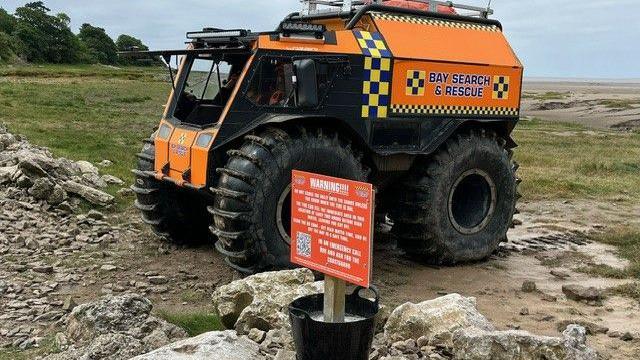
273,83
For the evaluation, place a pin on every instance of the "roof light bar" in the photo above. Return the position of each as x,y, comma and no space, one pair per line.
216,33
303,27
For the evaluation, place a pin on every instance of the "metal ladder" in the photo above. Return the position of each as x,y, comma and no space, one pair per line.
317,7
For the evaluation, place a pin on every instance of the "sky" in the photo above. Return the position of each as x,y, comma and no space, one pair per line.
558,39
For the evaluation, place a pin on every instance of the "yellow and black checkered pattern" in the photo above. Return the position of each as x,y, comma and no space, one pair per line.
501,87
377,74
434,22
452,110
416,81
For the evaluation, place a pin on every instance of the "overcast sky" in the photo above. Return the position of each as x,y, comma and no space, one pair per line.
553,38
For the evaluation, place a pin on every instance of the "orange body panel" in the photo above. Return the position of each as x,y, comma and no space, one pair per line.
447,43
346,44
180,149
450,75
162,150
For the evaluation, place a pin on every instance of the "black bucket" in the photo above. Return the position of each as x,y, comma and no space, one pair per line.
318,340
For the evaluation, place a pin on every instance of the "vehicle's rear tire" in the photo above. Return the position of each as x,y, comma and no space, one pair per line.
177,215
252,205
457,205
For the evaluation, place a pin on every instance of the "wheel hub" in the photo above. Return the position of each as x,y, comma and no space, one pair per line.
472,201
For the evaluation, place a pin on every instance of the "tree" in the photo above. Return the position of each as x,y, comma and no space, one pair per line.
100,46
7,48
129,43
44,37
7,22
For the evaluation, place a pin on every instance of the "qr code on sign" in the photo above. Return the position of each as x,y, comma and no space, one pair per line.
303,244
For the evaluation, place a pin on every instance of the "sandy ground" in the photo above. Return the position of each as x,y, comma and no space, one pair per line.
585,102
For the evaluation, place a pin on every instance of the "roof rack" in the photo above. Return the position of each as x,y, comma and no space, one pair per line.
322,7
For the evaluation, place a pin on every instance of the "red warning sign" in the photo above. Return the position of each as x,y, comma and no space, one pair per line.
331,226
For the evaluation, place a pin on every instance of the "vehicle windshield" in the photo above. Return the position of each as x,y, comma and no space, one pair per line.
208,86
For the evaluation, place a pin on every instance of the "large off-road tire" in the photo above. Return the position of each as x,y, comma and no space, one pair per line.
252,205
457,205
177,215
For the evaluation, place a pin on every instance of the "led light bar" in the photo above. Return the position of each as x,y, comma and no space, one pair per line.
303,27
216,33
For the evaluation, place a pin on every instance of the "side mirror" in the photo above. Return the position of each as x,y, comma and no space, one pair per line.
307,79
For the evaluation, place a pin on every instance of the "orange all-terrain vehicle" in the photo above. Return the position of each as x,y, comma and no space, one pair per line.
411,96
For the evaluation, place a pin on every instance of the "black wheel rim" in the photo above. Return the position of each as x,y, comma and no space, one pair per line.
472,201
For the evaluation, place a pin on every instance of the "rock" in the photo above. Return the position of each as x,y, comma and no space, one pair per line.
256,335
473,343
57,196
41,189
108,267
43,269
105,163
435,319
95,214
524,311
260,301
31,168
285,355
158,280
90,194
614,334
7,173
86,167
111,180
94,180
581,293
560,274
529,286
125,192
212,345
69,304
592,328
627,336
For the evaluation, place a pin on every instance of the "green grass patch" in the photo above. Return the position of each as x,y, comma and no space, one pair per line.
569,161
631,290
194,323
627,240
620,104
604,271
549,95
46,347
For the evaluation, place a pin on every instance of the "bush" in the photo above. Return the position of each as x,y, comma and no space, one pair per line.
99,45
7,48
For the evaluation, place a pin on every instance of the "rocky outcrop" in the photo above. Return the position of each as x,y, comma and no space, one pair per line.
436,320
476,344
33,171
115,327
213,345
260,301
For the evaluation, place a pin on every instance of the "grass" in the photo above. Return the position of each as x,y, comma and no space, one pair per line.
620,104
631,290
627,241
569,161
84,112
46,347
194,323
549,95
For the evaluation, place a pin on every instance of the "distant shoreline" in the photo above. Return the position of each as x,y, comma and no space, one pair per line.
580,80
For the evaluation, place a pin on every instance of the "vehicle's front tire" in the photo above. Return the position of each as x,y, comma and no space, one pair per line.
252,205
457,205
177,215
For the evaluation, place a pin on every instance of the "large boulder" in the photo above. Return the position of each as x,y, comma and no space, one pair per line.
260,301
436,320
116,327
477,344
212,345
88,193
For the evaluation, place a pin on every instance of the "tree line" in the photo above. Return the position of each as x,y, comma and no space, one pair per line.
33,34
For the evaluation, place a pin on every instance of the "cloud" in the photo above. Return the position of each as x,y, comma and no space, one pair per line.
569,38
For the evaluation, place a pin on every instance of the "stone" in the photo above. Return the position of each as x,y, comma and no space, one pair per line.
125,192
158,280
260,301
95,215
86,167
108,267
256,335
529,286
41,189
105,163
560,274
57,196
435,319
69,304
627,336
582,293
476,344
88,193
592,328
524,311
7,173
111,180
212,345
